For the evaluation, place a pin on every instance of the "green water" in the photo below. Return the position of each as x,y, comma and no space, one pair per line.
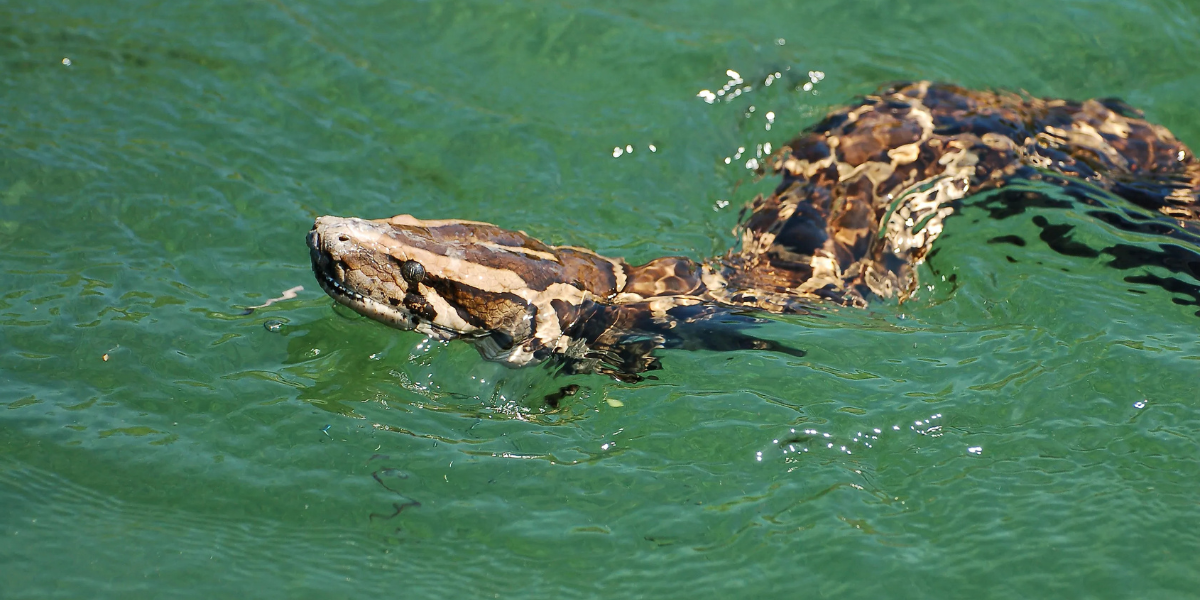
1029,431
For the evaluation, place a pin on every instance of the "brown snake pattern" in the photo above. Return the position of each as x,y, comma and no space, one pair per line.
864,195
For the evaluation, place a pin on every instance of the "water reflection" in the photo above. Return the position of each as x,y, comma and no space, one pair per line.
353,373
1146,241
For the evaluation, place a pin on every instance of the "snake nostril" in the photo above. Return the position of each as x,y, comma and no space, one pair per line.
343,238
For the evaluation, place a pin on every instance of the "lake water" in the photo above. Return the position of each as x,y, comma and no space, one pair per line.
1028,430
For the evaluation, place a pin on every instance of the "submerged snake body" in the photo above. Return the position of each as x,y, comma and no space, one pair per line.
864,194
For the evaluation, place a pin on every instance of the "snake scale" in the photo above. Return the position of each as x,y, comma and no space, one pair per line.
864,194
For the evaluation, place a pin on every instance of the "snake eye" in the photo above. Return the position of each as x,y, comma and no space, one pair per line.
412,271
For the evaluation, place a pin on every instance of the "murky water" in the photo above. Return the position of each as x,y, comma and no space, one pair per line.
1027,427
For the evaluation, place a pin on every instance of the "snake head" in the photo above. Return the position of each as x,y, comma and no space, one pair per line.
511,295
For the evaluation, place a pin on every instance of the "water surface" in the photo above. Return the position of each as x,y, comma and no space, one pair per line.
1026,427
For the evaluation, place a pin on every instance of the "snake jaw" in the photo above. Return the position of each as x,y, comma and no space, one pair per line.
354,278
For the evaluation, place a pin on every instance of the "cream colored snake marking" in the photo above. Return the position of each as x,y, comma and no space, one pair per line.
864,195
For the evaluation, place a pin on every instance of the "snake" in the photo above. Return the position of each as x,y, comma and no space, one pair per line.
863,195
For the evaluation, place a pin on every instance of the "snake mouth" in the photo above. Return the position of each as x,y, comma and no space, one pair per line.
323,267
338,291
331,274
330,271
330,246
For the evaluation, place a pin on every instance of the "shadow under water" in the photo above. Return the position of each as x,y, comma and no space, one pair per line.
1150,239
